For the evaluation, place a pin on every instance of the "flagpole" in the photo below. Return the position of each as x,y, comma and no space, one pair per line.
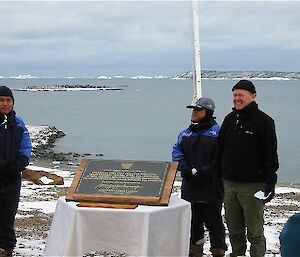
196,71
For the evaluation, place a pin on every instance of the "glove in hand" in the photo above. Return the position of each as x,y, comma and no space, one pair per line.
270,192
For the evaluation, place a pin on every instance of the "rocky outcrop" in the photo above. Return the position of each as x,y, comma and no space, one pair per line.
67,88
43,139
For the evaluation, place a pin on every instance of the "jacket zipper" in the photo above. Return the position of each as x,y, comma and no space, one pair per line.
5,121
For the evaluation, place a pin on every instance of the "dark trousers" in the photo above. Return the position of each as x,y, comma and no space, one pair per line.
208,214
8,208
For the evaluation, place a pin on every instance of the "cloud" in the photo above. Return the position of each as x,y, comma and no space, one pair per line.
143,37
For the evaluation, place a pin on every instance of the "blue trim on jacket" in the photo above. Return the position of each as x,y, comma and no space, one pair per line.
15,150
25,144
177,153
196,148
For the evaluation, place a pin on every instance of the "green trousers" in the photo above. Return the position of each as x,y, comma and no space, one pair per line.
244,215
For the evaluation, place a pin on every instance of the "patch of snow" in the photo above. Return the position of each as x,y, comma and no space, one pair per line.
274,221
281,190
42,206
46,180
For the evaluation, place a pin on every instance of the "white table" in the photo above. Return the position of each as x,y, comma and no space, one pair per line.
144,231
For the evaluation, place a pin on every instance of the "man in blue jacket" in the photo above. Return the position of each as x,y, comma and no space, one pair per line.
15,150
195,151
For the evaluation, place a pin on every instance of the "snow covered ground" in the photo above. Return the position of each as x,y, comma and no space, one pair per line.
38,202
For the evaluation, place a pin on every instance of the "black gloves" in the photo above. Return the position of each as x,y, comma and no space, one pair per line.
10,171
195,175
269,191
185,169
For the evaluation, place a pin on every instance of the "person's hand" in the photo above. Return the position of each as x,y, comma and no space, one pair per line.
11,172
186,173
269,193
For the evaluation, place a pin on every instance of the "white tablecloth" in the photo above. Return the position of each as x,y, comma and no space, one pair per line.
144,231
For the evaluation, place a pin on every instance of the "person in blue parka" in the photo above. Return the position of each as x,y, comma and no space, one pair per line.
290,238
195,150
15,150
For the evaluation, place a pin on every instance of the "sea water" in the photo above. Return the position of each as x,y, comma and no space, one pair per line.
142,121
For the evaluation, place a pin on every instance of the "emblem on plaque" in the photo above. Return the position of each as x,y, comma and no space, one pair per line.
126,165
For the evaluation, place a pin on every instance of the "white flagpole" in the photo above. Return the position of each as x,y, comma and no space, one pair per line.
196,71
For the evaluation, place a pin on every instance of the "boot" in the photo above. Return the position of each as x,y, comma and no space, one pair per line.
5,253
217,252
196,250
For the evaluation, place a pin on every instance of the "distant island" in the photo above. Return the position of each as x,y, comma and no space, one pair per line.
268,75
68,88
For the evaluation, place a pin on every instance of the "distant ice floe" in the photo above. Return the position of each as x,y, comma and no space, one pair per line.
103,77
161,77
141,77
149,77
23,77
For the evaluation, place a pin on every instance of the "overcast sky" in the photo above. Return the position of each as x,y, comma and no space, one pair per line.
145,37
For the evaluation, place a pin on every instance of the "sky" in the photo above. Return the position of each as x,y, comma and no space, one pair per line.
127,38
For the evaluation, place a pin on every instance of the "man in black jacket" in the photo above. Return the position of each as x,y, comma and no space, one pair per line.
195,151
247,160
15,149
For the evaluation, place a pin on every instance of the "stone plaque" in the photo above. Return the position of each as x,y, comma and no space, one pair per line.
123,181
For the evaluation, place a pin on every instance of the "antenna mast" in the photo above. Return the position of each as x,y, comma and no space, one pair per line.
196,43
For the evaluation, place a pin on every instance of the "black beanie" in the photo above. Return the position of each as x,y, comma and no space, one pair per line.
5,91
246,85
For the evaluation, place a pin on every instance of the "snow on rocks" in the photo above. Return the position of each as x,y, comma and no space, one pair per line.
36,208
43,139
38,203
43,135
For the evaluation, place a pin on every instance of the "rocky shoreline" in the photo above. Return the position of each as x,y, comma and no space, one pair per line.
43,139
43,154
67,88
269,75
37,203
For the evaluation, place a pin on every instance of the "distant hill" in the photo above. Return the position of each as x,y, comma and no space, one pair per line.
206,74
